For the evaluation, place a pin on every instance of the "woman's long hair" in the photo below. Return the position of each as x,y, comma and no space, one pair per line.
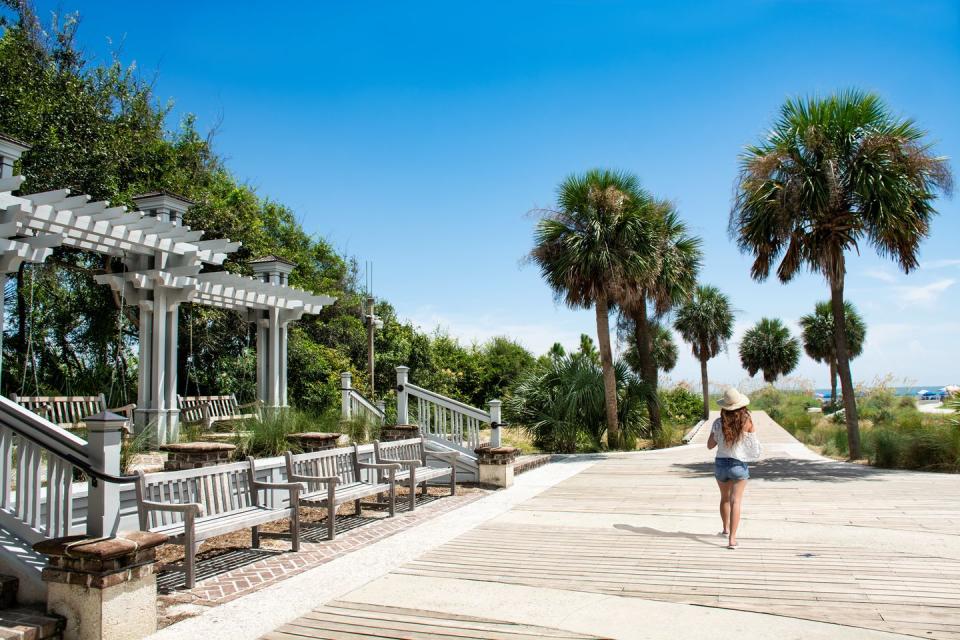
733,424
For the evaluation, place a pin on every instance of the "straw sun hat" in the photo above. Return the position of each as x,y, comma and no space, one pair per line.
733,399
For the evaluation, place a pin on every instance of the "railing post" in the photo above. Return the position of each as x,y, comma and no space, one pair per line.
382,406
403,414
495,423
346,384
104,432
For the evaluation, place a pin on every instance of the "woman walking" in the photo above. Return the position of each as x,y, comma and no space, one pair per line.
736,442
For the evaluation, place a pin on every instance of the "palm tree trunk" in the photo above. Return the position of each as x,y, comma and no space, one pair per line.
648,368
609,378
706,387
833,381
843,367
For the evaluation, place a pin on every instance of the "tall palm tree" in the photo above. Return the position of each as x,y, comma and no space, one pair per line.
706,322
833,174
820,343
663,349
769,347
668,282
588,247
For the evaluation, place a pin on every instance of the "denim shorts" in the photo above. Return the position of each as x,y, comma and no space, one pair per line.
727,469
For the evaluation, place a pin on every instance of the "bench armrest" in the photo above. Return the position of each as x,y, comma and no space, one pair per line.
449,456
126,409
371,465
194,508
291,486
247,405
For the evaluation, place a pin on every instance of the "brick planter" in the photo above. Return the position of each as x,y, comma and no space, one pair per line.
496,465
104,587
496,455
193,455
314,440
399,432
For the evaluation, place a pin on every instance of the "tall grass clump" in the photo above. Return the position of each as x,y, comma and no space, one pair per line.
268,436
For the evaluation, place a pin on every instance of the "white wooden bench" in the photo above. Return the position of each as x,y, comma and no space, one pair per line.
209,410
69,412
335,476
412,455
193,505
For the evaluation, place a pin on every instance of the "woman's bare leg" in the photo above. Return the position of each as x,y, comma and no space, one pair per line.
725,488
736,501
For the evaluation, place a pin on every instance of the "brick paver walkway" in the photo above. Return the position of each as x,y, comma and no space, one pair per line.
236,573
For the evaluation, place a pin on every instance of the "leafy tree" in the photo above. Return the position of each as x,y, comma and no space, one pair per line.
706,322
589,247
769,347
667,282
820,342
835,173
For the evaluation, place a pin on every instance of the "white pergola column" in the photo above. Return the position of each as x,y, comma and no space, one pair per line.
272,336
159,329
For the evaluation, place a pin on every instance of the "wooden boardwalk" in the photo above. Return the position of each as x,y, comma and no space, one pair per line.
352,621
821,541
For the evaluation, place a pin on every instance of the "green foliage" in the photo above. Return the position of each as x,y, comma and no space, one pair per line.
663,347
268,436
769,347
897,436
680,405
560,404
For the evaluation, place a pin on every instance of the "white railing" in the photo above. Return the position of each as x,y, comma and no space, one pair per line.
355,406
39,465
445,418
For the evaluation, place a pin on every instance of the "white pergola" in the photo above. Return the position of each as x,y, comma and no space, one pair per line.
163,267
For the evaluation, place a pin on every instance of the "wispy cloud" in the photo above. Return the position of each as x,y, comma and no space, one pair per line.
926,295
879,274
940,264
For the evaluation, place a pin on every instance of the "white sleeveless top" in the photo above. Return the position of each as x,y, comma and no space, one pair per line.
738,450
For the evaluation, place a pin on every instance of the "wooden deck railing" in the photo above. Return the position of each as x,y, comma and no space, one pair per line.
356,406
40,464
439,416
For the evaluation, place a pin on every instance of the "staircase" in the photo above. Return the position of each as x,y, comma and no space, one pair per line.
24,623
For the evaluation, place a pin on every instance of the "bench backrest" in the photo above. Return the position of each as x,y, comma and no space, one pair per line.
64,411
220,489
342,462
218,407
409,449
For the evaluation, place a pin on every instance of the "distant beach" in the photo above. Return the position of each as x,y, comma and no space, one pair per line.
899,391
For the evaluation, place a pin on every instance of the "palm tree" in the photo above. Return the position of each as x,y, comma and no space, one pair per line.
669,282
706,322
663,350
588,247
769,347
820,343
835,173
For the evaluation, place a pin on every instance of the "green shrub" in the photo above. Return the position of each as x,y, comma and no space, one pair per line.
681,405
268,437
886,445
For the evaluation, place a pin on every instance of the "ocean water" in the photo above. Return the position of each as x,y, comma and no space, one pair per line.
900,391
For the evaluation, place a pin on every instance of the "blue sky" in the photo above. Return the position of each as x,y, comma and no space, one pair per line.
421,135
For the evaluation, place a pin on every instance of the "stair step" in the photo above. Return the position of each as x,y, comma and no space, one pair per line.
8,591
29,624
